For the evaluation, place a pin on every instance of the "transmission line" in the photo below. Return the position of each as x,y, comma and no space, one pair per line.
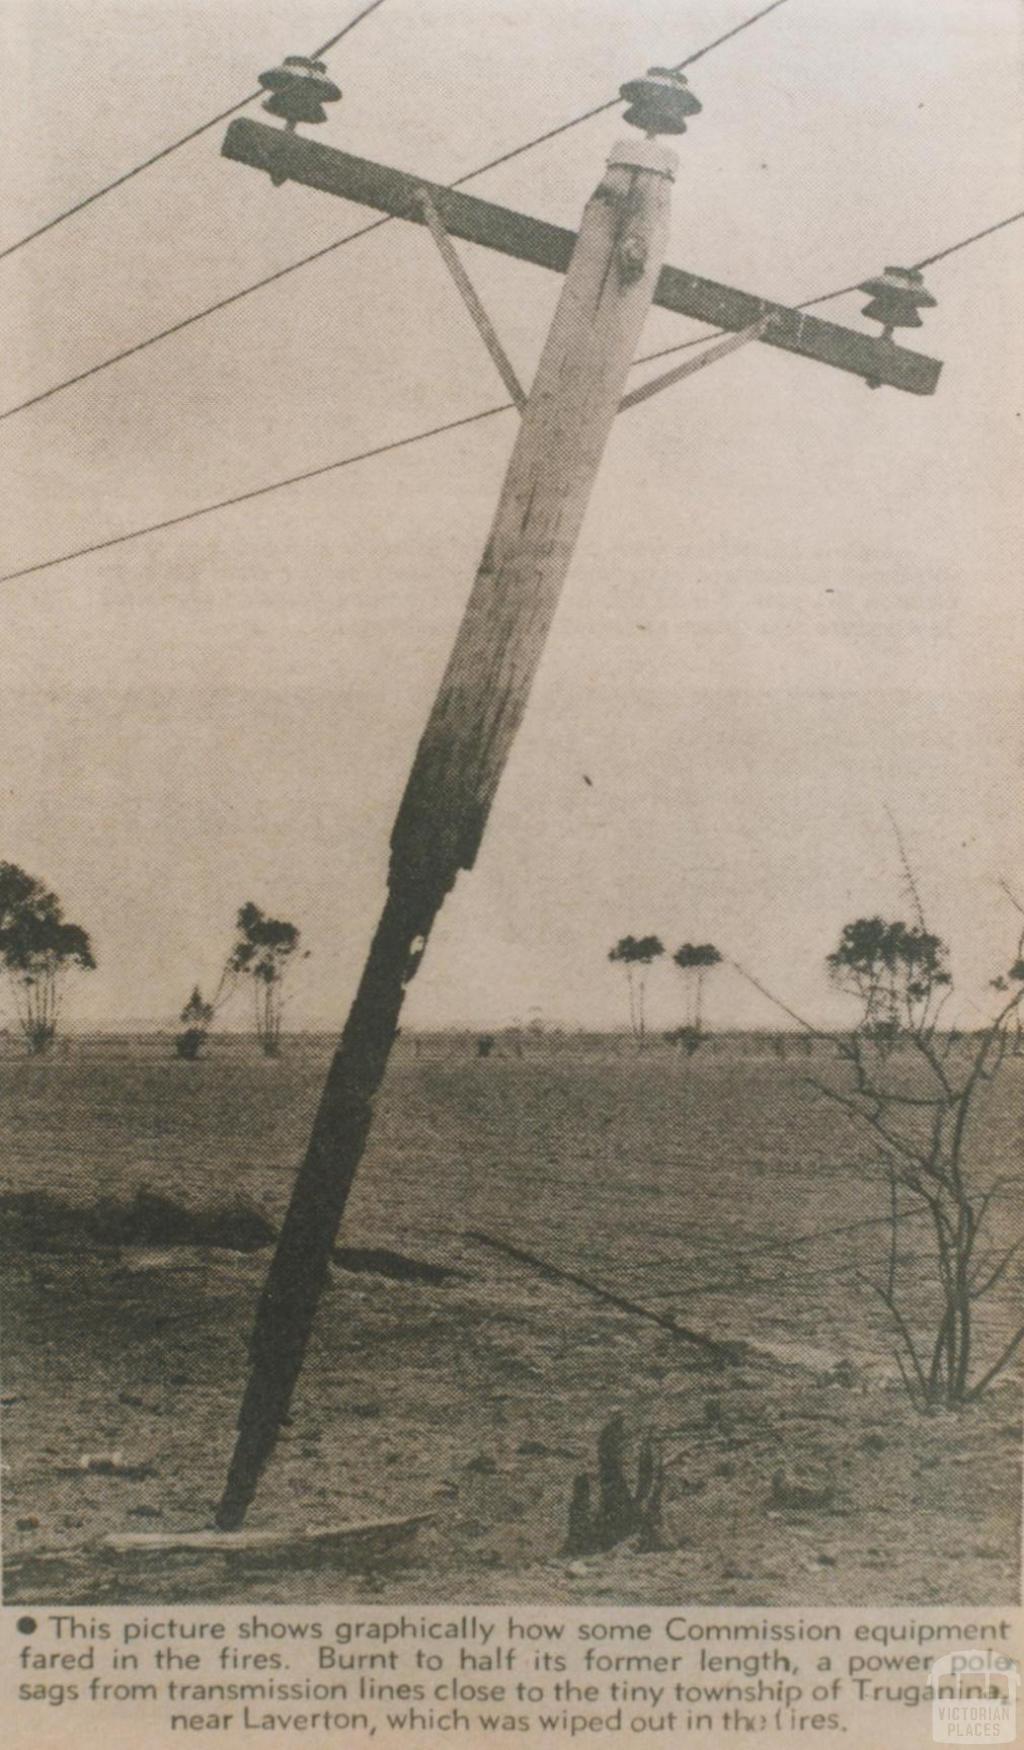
613,102
941,254
827,297
165,151
351,236
260,491
187,321
431,432
202,510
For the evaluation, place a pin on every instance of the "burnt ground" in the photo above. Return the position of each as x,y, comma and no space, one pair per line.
474,1390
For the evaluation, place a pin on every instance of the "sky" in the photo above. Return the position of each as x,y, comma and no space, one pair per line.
794,608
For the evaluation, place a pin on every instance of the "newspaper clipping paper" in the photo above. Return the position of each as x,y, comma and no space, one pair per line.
512,877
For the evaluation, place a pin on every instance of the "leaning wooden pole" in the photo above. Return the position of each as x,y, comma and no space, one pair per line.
467,741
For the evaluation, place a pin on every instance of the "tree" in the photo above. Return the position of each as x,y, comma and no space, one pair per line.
694,961
918,1101
196,1019
637,955
198,1015
898,973
38,949
1002,983
262,952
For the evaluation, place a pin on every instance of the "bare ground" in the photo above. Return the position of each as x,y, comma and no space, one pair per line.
478,1398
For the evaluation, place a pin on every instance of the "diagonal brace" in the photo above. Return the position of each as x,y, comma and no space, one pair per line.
708,357
467,290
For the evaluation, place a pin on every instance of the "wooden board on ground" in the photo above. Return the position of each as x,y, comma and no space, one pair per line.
354,1544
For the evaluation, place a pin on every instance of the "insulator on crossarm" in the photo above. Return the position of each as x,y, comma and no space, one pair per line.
896,297
299,89
659,102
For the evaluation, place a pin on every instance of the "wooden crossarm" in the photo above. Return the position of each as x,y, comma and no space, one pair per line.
292,158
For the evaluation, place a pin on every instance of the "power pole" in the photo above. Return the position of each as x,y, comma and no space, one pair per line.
613,273
479,706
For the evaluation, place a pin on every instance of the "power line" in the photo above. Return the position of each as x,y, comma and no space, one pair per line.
165,151
941,254
260,491
839,292
351,236
387,219
613,102
275,486
187,321
431,432
716,333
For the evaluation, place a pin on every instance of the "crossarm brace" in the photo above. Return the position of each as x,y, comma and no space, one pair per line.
708,357
485,327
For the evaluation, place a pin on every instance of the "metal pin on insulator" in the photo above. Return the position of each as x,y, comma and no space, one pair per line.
299,88
896,297
659,102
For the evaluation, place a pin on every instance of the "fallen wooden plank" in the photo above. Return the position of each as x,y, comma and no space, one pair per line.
107,1464
320,1543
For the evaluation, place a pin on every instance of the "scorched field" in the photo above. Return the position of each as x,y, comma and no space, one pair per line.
452,1379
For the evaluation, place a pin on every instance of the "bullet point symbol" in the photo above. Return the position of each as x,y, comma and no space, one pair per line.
27,1625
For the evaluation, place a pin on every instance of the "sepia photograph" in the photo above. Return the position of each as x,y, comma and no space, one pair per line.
512,860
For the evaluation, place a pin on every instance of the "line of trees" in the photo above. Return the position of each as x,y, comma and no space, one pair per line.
913,1081
40,949
637,954
263,950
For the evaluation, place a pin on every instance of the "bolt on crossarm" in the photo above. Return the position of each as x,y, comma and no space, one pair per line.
566,421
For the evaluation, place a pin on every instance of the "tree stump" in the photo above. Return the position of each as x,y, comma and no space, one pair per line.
622,1511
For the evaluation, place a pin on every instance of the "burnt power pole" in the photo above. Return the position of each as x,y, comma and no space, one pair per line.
613,273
